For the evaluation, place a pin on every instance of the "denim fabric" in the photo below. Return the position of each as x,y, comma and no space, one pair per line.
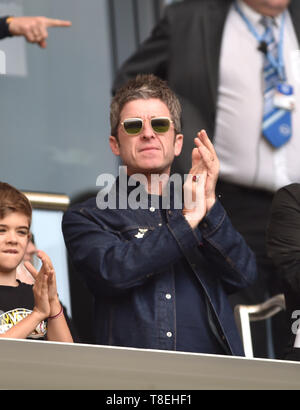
132,277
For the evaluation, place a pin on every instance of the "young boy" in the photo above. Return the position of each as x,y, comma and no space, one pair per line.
26,311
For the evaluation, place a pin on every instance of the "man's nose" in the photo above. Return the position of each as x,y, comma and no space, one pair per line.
147,130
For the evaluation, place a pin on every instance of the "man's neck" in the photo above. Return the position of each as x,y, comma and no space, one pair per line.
154,184
264,10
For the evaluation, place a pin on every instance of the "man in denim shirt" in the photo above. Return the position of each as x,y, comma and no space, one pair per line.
160,274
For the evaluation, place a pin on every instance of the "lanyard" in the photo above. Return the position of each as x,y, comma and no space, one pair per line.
278,64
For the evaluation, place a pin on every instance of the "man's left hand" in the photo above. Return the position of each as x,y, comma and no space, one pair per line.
207,155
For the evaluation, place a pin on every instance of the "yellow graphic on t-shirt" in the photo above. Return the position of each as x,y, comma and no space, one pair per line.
12,317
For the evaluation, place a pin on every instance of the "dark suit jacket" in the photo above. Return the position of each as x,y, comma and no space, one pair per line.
4,28
283,243
184,49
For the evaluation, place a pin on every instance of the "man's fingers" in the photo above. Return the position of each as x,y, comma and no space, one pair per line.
193,190
206,141
43,44
57,23
43,33
204,152
196,157
207,150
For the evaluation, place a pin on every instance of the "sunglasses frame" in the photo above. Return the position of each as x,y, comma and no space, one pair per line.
141,119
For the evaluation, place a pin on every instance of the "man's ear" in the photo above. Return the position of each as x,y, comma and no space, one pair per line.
114,145
178,144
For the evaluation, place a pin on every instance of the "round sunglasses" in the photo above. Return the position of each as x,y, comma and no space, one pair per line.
133,126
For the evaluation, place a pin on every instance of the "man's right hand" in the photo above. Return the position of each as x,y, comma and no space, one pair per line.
34,29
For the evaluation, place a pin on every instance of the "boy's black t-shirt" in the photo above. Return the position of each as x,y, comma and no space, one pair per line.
16,302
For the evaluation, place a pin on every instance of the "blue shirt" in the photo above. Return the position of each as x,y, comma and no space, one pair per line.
129,259
193,331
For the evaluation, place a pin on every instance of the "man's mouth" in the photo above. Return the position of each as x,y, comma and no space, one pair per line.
149,149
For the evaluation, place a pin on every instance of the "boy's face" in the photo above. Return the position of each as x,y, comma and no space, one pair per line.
14,237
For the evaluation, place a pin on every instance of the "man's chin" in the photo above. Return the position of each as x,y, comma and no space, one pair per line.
155,171
153,167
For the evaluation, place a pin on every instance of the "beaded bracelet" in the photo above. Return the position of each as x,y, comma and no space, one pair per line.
58,314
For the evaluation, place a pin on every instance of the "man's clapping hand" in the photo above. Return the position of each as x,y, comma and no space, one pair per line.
199,187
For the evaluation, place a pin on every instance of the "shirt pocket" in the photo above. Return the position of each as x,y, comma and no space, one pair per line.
135,232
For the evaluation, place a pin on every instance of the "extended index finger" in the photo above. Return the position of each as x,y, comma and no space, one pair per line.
57,23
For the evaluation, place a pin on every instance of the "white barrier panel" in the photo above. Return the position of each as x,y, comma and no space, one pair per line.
49,365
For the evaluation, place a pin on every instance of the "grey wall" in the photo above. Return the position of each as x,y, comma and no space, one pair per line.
54,122
54,103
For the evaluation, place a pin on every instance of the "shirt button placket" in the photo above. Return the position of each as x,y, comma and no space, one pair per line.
168,297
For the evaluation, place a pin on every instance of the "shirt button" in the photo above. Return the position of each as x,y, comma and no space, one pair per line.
168,296
169,334
152,209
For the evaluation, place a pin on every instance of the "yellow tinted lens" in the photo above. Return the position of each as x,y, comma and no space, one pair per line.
133,126
160,125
